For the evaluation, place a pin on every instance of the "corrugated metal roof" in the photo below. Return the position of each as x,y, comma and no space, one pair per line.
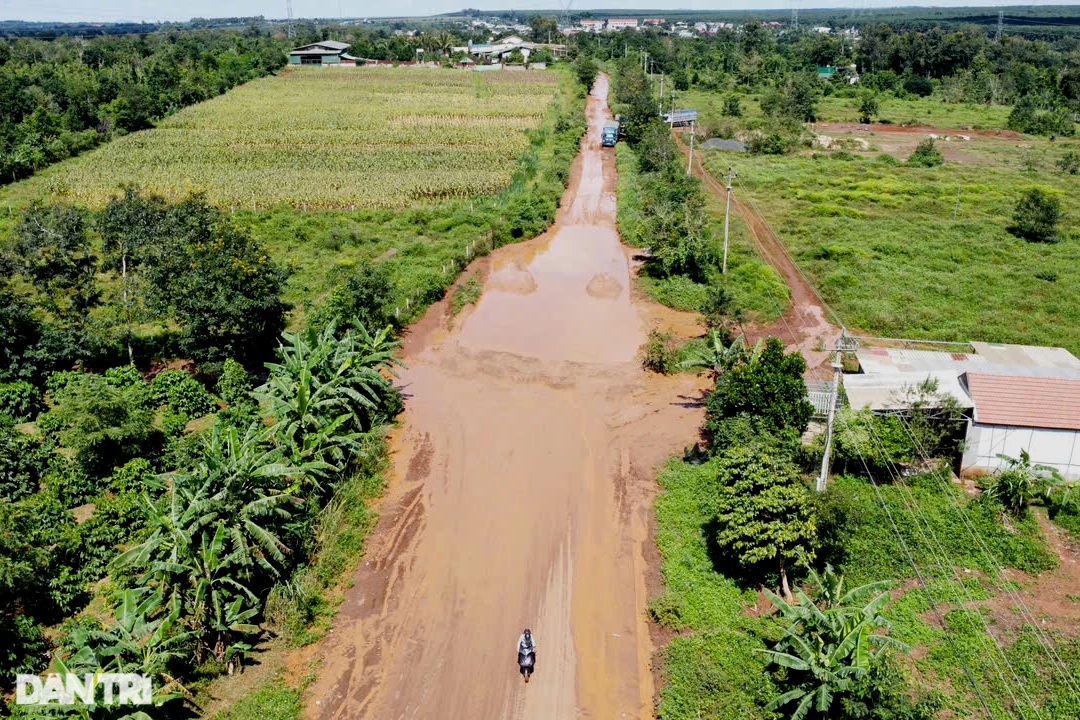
990,359
1053,357
1036,402
891,391
332,45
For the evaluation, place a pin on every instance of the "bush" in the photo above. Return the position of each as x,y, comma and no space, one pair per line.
661,354
926,155
1036,217
773,143
366,296
20,401
22,464
918,85
234,385
732,106
1069,163
182,393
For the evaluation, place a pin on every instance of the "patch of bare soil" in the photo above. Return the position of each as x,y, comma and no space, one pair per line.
1052,599
521,492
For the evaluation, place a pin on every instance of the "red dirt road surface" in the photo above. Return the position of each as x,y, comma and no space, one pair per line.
521,494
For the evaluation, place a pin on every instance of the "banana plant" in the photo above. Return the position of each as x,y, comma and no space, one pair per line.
325,394
715,356
827,648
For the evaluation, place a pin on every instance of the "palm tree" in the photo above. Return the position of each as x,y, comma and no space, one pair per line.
826,649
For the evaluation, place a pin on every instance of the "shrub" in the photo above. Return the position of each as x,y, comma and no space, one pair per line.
1069,163
926,155
661,355
234,385
1036,217
182,393
19,400
732,106
918,85
22,464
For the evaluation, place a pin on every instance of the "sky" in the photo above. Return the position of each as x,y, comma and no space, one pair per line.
157,10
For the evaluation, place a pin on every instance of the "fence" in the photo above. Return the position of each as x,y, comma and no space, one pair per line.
477,248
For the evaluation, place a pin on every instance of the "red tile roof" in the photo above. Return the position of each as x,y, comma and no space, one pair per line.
1037,402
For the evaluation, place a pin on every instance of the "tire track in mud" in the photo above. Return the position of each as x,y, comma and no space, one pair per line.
521,492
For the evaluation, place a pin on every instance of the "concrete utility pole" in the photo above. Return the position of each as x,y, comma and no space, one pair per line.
661,103
833,397
690,160
727,215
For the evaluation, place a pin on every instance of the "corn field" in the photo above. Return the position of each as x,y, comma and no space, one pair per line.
327,138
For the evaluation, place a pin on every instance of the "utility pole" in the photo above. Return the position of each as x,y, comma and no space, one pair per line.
833,397
690,160
1001,25
727,215
671,118
661,103
288,15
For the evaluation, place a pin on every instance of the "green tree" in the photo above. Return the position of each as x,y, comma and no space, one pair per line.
218,283
1037,216
129,228
828,646
52,248
767,386
544,28
868,106
586,71
765,515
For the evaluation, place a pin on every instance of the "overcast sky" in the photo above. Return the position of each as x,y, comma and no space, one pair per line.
151,10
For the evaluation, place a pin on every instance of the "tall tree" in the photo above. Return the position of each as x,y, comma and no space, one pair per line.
765,516
218,283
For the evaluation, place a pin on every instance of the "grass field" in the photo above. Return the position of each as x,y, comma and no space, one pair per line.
929,111
318,138
713,669
881,242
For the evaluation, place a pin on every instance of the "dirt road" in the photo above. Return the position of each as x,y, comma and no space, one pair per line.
521,491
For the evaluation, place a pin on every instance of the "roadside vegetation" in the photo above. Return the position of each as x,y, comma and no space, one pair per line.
897,561
182,478
667,213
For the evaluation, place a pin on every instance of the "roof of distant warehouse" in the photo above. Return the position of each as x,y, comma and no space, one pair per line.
1035,402
323,47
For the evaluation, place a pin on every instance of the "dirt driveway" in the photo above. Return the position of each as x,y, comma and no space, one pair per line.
521,492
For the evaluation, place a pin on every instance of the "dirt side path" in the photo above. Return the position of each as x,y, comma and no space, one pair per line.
521,492
806,324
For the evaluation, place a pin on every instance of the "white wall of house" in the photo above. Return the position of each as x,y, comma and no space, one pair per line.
1059,449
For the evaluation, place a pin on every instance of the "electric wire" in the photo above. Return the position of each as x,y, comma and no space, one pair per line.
998,570
941,559
919,576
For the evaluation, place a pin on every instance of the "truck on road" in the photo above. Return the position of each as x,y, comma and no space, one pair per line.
609,135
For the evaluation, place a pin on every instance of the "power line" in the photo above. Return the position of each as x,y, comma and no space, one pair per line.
997,569
921,579
941,558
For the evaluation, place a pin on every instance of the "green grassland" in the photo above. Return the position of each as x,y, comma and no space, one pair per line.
712,667
757,289
314,138
931,111
881,242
